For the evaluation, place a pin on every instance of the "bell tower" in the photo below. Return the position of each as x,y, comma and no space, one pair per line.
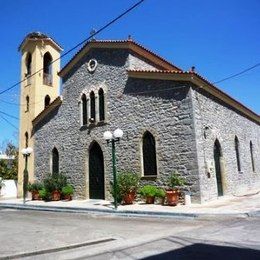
39,88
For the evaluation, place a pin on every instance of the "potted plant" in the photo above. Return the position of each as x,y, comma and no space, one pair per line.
45,194
127,186
175,181
67,192
161,195
34,188
54,184
149,192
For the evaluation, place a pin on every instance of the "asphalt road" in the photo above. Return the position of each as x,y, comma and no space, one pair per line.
50,235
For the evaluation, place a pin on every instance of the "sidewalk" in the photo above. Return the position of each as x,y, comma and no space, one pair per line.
241,206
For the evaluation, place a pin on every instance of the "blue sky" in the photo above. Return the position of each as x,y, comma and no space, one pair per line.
220,38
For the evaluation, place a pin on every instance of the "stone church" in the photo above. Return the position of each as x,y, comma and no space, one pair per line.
171,119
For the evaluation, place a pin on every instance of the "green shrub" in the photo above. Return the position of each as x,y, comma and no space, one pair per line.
36,186
67,190
119,195
54,182
45,194
160,193
127,182
175,180
148,191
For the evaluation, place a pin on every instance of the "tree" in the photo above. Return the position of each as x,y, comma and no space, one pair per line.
9,167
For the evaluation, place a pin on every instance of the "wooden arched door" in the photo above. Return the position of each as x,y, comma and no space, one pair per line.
217,159
96,172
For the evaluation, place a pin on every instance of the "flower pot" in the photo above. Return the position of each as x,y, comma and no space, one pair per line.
35,195
172,197
55,195
67,197
149,200
129,198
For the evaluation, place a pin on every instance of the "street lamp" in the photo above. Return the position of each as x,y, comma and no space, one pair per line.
26,153
113,138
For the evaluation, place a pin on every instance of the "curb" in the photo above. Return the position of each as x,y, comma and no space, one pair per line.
128,213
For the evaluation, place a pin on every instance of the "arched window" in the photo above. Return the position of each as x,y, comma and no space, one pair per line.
92,107
47,101
149,154
26,139
101,105
252,156
55,161
47,69
28,63
27,103
84,109
237,153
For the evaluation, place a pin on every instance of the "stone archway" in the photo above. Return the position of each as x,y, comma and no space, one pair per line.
218,167
96,172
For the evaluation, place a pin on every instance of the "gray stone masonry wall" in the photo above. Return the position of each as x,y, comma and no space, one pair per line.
134,105
224,124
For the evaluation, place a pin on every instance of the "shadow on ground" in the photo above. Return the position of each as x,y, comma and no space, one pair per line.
205,251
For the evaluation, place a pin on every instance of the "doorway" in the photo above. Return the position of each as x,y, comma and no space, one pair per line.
217,160
96,172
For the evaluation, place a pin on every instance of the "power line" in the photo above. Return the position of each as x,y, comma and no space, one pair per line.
79,44
7,121
9,115
237,74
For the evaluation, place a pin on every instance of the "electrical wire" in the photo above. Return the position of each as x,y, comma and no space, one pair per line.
79,44
237,74
9,115
7,121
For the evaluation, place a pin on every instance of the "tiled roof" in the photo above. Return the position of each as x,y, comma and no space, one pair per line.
37,36
56,102
164,64
212,89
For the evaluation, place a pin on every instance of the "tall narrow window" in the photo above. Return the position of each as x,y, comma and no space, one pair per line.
101,105
92,107
26,139
84,109
47,101
149,154
47,69
28,64
55,161
27,103
252,156
237,154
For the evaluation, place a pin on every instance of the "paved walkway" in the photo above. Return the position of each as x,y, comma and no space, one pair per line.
244,205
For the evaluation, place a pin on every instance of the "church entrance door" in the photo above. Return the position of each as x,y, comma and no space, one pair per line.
96,172
217,158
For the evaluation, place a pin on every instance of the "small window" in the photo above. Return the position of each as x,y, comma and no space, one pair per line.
149,154
27,103
84,109
252,156
26,139
55,161
28,64
237,154
47,69
101,105
47,101
92,107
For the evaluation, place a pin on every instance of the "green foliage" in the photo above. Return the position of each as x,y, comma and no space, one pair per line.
36,186
175,180
160,193
127,182
119,195
45,194
54,182
9,168
148,191
67,190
